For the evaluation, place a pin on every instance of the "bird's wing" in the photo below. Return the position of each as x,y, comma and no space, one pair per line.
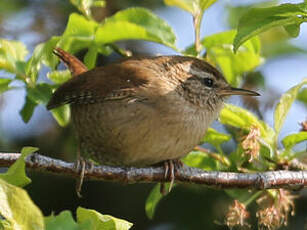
113,82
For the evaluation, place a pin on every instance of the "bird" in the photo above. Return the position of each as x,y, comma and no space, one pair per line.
142,111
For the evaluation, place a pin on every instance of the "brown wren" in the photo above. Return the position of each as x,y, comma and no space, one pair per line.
142,111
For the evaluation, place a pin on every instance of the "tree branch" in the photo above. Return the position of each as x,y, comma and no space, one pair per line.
263,180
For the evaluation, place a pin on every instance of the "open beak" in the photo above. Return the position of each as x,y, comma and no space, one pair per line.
237,91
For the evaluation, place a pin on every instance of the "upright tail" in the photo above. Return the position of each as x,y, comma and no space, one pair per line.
75,66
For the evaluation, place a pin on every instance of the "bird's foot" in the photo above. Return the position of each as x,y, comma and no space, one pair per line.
170,167
82,166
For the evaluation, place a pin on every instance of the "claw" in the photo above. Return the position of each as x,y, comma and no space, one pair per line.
170,167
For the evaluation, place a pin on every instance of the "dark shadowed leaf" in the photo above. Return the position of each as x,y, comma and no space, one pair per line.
153,199
4,84
27,110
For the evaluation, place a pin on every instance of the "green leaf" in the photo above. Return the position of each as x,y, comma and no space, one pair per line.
28,109
135,23
91,57
257,20
240,118
302,96
84,6
98,221
215,138
16,174
192,6
18,210
59,76
219,50
12,56
293,139
284,105
40,94
61,115
293,29
42,54
4,84
201,160
153,199
63,221
79,33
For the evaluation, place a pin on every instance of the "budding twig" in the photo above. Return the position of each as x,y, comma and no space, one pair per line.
263,180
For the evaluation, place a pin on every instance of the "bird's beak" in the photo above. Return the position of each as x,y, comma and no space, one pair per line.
236,91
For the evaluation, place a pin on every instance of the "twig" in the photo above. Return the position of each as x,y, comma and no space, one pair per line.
263,180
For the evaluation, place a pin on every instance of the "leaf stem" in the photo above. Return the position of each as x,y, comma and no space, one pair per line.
197,17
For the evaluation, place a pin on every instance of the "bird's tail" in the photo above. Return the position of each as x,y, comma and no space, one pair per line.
75,66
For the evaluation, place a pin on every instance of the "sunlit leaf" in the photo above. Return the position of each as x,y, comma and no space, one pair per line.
18,209
42,54
62,221
91,57
192,6
61,114
257,20
84,6
59,76
16,174
284,105
293,139
215,138
200,160
12,56
79,33
135,23
98,221
219,50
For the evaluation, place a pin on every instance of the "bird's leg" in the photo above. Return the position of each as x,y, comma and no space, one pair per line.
81,166
170,167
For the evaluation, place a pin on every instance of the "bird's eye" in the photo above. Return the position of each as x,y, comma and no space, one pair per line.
208,82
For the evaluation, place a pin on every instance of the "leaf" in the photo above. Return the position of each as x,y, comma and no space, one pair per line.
201,160
27,110
63,221
215,138
42,54
4,84
16,174
135,23
219,50
293,139
302,96
257,20
79,33
59,76
153,199
284,104
91,57
40,94
98,221
84,6
18,210
12,56
192,6
293,29
61,115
